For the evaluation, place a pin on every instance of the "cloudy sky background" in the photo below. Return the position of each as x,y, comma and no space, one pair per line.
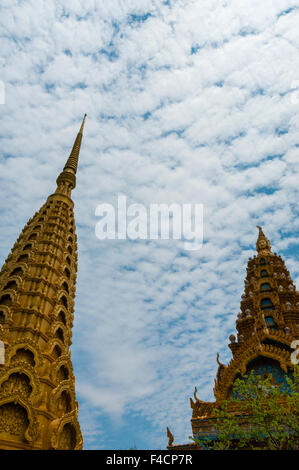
188,101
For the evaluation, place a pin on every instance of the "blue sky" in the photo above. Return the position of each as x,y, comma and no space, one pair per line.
187,102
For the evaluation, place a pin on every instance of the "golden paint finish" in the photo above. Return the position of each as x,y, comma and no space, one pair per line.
38,407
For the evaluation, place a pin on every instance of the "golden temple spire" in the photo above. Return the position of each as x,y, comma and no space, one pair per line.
263,245
67,178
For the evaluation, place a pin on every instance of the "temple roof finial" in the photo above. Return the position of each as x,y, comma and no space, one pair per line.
68,174
263,245
72,161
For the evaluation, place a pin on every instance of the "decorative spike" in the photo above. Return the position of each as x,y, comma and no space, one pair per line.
263,245
72,162
170,437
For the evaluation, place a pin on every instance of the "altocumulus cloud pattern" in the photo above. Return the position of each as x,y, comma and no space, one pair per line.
187,102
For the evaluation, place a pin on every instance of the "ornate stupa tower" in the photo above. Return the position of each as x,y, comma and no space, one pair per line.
38,407
266,326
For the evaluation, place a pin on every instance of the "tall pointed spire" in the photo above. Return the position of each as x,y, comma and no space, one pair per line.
263,245
38,406
66,181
